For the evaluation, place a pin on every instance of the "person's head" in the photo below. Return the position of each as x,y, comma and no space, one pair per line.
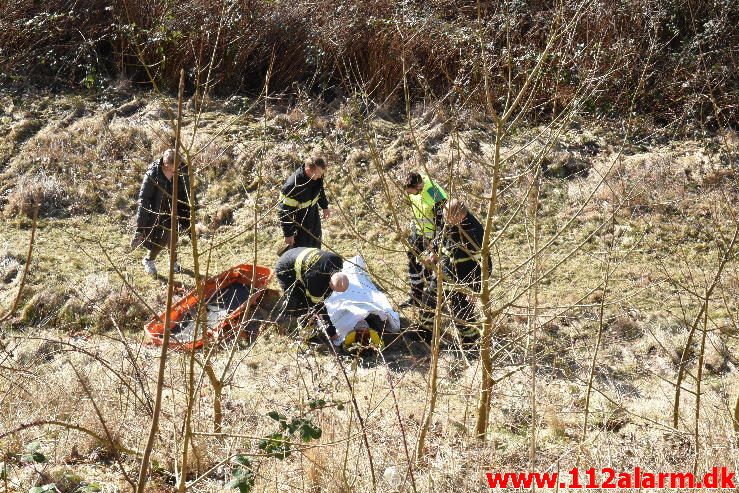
315,167
454,211
168,160
413,183
339,282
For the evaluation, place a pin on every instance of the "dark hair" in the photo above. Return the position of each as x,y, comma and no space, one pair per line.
413,180
316,161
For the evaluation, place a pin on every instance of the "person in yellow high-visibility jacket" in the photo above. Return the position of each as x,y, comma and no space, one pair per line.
427,200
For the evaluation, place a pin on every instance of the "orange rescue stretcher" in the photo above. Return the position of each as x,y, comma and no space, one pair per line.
230,297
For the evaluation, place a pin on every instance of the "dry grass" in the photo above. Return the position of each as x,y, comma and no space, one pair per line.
10,268
74,291
42,307
279,378
38,190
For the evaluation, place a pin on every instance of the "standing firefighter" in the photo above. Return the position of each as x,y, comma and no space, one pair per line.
427,200
307,277
153,217
461,242
302,195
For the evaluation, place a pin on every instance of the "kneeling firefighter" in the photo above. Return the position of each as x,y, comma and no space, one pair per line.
307,277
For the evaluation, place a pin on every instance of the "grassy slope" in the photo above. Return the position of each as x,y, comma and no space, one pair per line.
667,227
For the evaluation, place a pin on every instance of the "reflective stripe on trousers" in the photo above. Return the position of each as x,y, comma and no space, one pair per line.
415,278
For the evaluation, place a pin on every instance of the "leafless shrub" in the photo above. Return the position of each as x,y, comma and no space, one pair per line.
10,267
42,306
451,452
678,49
38,188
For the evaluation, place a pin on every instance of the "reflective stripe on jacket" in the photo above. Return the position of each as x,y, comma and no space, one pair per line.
477,257
298,205
303,262
298,197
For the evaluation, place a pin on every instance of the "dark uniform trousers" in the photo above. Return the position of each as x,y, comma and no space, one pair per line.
308,232
462,309
158,238
418,274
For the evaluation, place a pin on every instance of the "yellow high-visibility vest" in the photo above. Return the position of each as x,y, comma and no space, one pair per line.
423,206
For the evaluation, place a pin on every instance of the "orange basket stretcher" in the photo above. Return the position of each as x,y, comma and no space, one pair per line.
229,296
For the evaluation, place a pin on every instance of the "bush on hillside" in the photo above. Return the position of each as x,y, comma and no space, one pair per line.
670,55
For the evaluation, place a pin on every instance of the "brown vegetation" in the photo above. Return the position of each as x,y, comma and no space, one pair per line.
75,297
682,53
608,314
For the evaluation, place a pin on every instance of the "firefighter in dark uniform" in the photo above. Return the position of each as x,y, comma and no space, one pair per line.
461,242
301,196
307,277
427,203
153,215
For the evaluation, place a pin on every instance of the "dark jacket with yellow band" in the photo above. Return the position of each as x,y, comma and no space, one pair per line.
309,271
299,198
461,245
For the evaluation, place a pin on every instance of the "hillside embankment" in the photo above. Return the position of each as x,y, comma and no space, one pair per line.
632,228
